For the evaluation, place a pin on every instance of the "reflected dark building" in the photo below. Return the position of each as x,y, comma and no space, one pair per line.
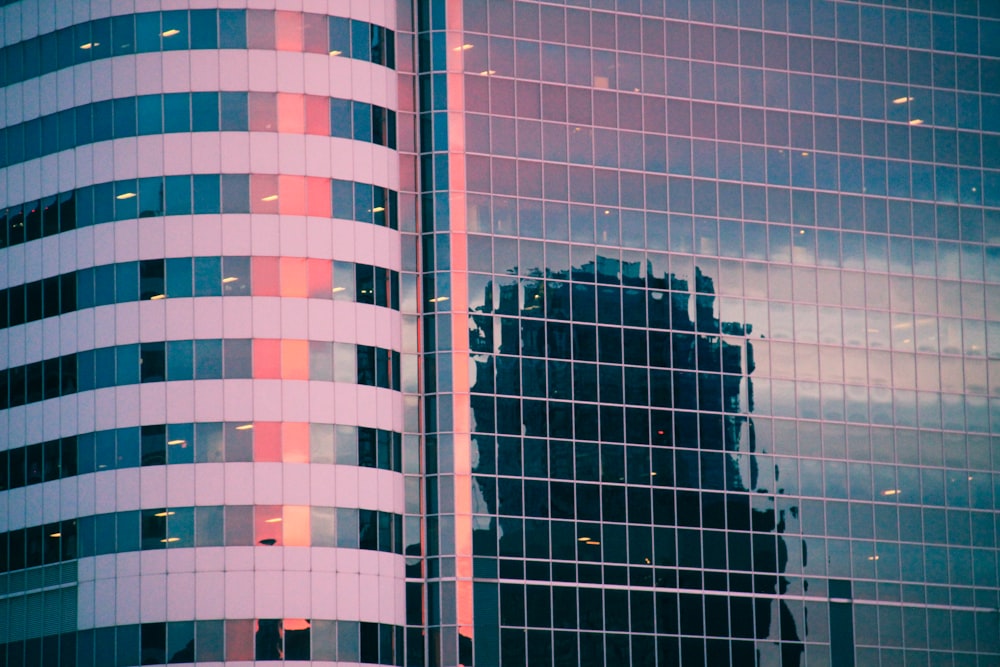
688,441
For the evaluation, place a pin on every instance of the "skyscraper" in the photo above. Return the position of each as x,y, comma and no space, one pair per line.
500,332
202,413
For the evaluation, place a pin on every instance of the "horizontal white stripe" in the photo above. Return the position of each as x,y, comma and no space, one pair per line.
207,317
203,401
203,484
199,153
241,582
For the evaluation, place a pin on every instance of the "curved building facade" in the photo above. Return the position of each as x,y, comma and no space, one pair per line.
200,404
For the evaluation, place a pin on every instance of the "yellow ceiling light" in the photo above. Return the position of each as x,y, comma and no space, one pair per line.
126,195
168,540
335,53
276,519
179,441
165,513
902,100
171,32
462,47
269,198
157,297
917,121
244,427
230,279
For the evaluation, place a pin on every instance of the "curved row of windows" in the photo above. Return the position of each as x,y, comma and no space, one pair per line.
214,640
200,442
197,29
181,277
204,359
177,642
145,115
203,526
157,196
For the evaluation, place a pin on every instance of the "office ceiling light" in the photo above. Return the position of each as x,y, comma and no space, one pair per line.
55,534
462,47
89,45
167,540
126,195
917,121
335,53
164,513
438,299
891,492
276,519
902,100
171,32
244,427
378,209
269,198
157,297
230,279
179,441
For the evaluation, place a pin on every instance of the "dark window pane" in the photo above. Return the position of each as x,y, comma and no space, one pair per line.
235,193
125,117
177,112
234,111
340,36
360,40
147,32
205,112
206,193
204,29
150,114
232,29
152,362
180,360
123,34
126,282
178,198
208,276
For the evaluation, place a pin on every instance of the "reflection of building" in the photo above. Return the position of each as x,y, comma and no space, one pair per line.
500,333
728,272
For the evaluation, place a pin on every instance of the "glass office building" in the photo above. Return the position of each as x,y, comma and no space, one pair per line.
500,332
